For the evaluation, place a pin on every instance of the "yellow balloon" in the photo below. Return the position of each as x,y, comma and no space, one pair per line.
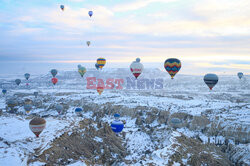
101,62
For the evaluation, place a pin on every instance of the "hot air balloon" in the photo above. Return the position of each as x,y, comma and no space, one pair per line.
27,108
54,80
4,91
90,13
211,80
78,111
117,125
117,116
138,60
88,43
18,81
172,65
59,108
27,76
101,62
136,68
37,125
100,89
96,66
11,103
175,122
27,101
53,72
79,66
240,75
62,7
82,70
35,94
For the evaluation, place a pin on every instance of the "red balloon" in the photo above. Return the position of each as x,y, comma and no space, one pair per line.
54,80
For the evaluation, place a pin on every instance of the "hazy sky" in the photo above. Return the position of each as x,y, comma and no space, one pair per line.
206,35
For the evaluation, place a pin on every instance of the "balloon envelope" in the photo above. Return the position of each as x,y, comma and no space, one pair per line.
4,91
101,62
96,66
53,72
27,101
54,80
172,66
88,43
18,81
59,108
37,125
211,80
11,103
27,108
138,59
78,111
240,75
62,7
100,90
117,126
82,71
90,13
175,122
35,94
136,68
27,76
116,115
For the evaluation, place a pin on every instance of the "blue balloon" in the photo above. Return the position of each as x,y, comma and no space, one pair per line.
62,7
78,110
138,59
116,115
53,72
240,75
4,91
96,66
90,13
27,76
117,126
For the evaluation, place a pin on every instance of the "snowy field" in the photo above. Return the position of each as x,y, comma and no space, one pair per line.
154,141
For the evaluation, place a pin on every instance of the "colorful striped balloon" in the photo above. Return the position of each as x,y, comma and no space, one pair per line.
172,65
37,125
101,62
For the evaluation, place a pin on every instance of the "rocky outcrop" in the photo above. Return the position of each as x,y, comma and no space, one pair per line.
196,153
94,146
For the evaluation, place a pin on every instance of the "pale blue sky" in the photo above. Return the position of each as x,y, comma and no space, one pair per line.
204,34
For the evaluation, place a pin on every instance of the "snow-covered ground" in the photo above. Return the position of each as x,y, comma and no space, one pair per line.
227,106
